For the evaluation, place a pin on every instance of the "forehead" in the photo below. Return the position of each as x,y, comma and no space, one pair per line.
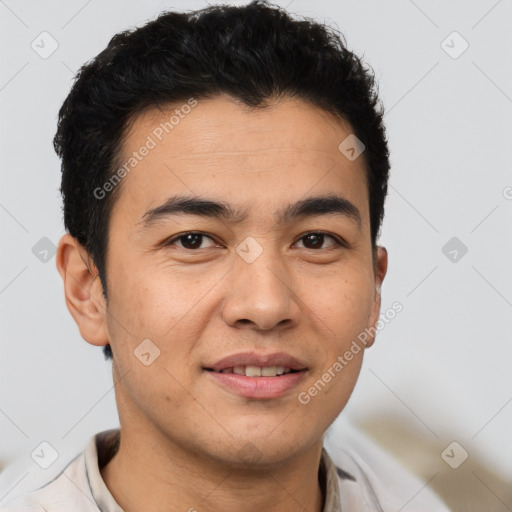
219,147
287,123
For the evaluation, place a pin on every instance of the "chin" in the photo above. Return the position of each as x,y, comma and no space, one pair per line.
255,454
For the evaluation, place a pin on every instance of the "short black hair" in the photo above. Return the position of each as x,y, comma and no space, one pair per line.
254,53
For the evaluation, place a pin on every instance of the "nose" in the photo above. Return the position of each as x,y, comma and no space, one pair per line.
260,296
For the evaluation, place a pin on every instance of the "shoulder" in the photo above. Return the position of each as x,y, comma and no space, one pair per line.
369,475
69,490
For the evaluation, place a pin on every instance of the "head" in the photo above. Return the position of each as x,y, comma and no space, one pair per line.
216,203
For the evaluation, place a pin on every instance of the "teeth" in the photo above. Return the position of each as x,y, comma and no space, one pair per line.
269,371
257,371
253,371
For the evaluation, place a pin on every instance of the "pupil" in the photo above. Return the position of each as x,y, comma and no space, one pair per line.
192,239
316,239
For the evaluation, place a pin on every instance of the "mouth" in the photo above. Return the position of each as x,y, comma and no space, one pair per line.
257,376
257,371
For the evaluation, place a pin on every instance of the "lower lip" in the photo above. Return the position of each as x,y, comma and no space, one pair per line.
258,387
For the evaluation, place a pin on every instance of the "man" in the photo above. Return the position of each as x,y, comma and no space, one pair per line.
224,175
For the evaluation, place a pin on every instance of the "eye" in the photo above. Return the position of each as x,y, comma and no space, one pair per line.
191,240
316,240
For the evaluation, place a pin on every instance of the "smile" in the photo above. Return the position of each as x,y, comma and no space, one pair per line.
258,371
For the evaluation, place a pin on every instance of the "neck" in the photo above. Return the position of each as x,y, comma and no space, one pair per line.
158,475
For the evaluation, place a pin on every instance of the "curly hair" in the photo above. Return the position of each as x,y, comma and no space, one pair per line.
255,53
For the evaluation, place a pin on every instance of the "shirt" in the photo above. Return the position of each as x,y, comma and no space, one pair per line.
346,485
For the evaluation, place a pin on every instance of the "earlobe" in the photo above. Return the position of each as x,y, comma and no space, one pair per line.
380,269
83,291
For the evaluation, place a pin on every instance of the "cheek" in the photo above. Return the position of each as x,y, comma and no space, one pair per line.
343,305
152,302
155,318
151,375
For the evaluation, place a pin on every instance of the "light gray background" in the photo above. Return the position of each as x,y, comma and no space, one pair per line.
439,372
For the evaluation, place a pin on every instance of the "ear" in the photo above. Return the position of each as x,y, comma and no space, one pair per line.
380,268
83,290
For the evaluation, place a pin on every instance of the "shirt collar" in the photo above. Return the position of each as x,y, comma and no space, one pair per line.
101,448
330,484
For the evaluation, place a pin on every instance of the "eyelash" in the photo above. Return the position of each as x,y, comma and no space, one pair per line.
337,240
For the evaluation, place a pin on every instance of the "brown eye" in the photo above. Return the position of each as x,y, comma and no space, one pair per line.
190,241
316,240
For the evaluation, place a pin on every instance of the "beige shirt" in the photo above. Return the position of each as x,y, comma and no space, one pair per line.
80,487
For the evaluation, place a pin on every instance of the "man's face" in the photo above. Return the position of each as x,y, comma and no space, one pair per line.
262,290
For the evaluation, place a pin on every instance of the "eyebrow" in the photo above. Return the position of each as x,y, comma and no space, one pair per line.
204,207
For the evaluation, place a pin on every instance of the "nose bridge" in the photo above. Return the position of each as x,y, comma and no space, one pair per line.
264,273
258,291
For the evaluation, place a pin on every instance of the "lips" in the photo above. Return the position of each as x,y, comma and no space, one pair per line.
239,363
257,376
259,371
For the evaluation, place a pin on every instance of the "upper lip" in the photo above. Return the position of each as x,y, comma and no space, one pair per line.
255,359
